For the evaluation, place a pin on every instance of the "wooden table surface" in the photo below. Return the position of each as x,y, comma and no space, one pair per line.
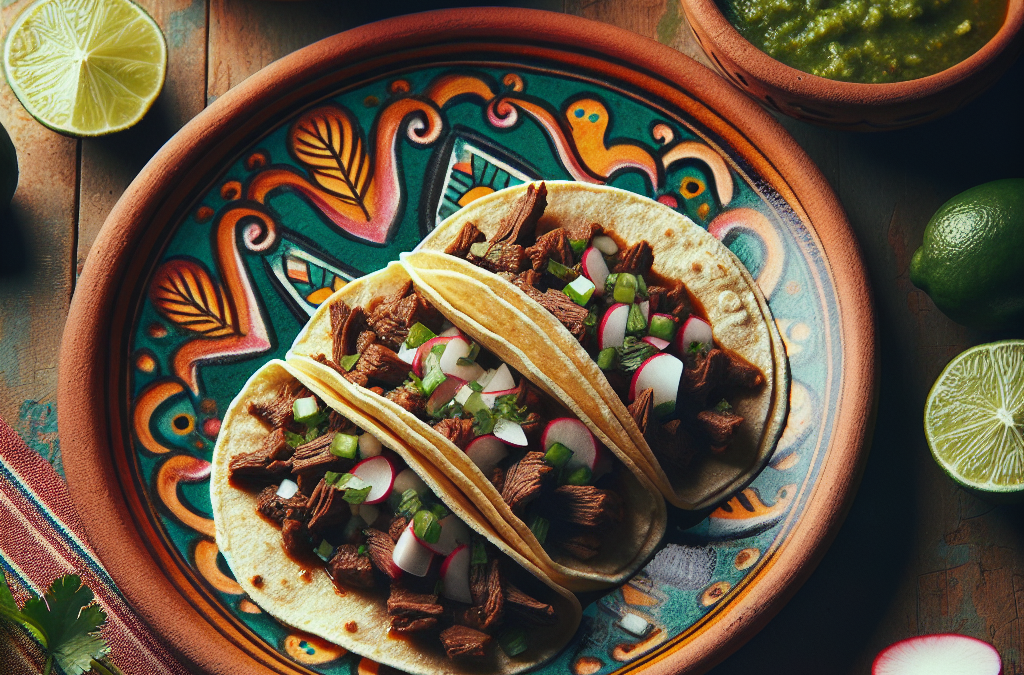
916,554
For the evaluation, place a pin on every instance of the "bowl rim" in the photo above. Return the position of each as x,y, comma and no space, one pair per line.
774,73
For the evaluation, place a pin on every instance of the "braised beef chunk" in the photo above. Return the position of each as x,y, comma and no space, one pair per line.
655,296
316,456
532,426
381,548
528,396
326,507
398,524
349,568
274,508
501,257
637,259
677,302
527,278
346,325
462,642
366,338
561,306
294,535
382,364
640,408
338,423
468,235
520,222
739,373
524,481
409,398
581,230
497,478
673,445
584,506
582,545
277,412
718,426
458,431
488,598
393,316
706,376
330,363
552,246
356,377
525,607
269,463
412,612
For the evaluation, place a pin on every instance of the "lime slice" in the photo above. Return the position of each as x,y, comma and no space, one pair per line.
974,418
85,67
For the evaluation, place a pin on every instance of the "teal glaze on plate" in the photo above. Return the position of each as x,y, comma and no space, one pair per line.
429,140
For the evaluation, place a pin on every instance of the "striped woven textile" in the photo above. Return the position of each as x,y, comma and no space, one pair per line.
41,538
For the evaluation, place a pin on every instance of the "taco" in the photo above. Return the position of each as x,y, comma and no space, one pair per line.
633,305
335,526
560,492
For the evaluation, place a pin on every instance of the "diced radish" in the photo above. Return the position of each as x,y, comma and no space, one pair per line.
455,575
485,379
369,445
661,373
595,268
509,432
444,393
490,397
423,350
695,329
501,380
454,533
463,394
656,342
606,244
574,435
410,555
287,489
408,480
944,654
380,473
458,348
407,354
450,331
486,452
612,330
645,309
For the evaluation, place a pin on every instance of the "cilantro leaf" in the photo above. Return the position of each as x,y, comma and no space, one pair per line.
9,610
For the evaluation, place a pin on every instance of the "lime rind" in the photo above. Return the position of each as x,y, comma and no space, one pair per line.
974,418
85,67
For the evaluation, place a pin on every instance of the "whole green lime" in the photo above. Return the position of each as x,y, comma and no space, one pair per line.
8,169
971,262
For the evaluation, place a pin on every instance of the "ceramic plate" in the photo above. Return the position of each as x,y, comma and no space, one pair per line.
226,243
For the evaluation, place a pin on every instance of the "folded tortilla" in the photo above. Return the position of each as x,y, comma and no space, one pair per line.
683,251
625,547
253,550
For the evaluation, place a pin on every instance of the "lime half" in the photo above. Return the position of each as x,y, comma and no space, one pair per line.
85,67
974,418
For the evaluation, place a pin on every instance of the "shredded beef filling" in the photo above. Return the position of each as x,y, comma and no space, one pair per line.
349,568
412,612
275,508
269,463
524,481
468,235
462,642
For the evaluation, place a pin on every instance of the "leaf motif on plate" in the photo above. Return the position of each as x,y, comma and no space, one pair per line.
183,292
329,142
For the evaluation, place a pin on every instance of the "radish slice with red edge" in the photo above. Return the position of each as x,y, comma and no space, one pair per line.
407,354
486,451
645,309
944,654
410,555
501,380
656,342
408,480
661,373
594,268
454,532
455,575
491,397
450,331
612,330
459,348
509,432
695,329
574,435
379,472
443,394
423,350
606,244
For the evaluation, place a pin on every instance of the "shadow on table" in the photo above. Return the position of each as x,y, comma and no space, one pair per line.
14,254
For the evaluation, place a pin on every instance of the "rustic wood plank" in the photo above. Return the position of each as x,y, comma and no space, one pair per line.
35,268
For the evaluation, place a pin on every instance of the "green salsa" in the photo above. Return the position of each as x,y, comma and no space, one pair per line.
870,41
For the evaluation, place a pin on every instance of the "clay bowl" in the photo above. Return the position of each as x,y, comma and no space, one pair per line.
849,105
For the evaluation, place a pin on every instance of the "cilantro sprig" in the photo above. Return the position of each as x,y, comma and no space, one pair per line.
66,623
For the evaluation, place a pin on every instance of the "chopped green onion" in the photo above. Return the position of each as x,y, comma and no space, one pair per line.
324,551
557,455
363,550
356,489
578,246
609,281
465,361
345,446
432,380
561,271
475,386
662,326
438,587
305,410
664,410
607,358
474,351
641,286
474,402
417,382
513,641
439,510
293,439
636,324
410,503
507,407
479,553
580,290
479,249
633,353
591,320
625,288
696,347
723,406
484,422
539,525
418,334
426,527
347,362
581,475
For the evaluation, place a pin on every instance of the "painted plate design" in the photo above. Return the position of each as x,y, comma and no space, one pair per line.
339,182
